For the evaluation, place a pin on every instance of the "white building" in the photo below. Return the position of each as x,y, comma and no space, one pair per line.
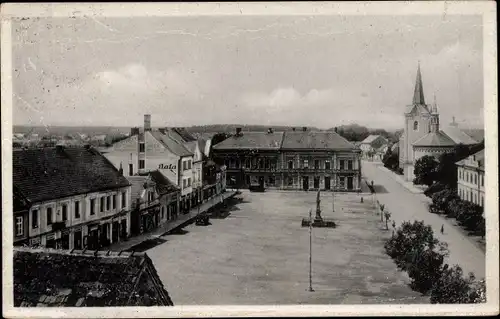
470,178
76,198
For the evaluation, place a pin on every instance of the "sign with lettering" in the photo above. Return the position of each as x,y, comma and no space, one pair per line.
167,166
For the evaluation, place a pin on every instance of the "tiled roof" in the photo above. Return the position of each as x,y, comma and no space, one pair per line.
184,134
435,139
458,136
252,140
163,184
369,139
19,202
315,141
60,278
171,144
51,173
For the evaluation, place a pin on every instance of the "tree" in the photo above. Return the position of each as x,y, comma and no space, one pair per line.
441,199
452,287
390,159
425,170
425,270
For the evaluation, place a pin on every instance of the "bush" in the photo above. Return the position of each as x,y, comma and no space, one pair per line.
452,287
434,188
441,199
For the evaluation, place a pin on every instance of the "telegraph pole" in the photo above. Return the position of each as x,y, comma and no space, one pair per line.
333,199
310,250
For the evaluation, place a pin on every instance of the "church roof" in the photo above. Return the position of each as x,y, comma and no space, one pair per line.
458,136
435,139
418,94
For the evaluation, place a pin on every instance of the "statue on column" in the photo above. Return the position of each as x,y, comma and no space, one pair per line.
318,208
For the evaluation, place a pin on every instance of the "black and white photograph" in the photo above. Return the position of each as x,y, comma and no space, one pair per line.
180,159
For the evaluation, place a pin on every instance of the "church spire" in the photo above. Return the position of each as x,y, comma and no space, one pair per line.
418,95
434,106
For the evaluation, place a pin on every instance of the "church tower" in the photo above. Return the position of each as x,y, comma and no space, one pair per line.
418,119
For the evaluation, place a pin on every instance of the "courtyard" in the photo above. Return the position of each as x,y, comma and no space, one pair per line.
259,254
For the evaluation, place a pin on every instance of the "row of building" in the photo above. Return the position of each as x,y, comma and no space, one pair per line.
82,198
292,160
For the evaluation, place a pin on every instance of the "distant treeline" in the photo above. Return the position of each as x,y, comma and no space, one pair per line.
231,128
70,130
357,133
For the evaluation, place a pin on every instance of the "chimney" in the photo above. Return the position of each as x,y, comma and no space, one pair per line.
134,131
59,147
147,122
270,130
163,130
336,130
238,131
120,170
304,128
86,146
293,129
130,166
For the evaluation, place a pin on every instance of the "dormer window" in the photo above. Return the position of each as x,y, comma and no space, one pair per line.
415,126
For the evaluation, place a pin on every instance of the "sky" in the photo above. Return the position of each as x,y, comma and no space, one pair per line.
320,71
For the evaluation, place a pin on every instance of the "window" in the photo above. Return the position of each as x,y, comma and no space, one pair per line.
316,182
124,199
92,206
475,179
327,164
349,165
415,126
342,164
113,202
101,207
316,164
65,212
142,164
34,219
482,181
108,202
49,216
290,164
482,201
19,226
271,180
142,147
306,163
162,212
189,182
77,209
290,181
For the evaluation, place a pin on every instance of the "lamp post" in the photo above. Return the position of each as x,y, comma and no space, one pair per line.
333,199
310,250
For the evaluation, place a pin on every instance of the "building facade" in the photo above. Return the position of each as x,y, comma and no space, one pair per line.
372,145
148,150
251,159
319,160
470,178
77,199
299,160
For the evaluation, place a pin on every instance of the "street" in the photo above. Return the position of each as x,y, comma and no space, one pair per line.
407,206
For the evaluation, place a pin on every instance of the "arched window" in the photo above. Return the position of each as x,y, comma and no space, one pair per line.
415,126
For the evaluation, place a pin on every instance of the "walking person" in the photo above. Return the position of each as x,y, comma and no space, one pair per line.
442,229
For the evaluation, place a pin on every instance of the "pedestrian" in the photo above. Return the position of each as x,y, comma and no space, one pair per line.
442,229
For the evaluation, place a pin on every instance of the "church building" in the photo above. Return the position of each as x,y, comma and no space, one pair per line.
422,133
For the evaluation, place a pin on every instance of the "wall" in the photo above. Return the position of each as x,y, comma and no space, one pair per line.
85,217
413,136
470,185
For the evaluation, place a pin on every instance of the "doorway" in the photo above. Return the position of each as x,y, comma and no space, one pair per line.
305,182
327,182
261,182
350,183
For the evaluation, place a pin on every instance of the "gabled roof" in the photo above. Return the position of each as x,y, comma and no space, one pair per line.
171,144
314,140
435,139
51,173
252,140
60,278
458,136
163,184
138,185
372,138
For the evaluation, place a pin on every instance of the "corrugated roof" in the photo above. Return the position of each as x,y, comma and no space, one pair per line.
313,140
458,136
435,139
252,140
50,173
49,277
172,145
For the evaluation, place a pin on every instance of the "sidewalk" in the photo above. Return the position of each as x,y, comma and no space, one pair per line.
167,227
398,178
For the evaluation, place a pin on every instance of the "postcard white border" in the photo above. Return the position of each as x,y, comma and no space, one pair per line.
487,9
